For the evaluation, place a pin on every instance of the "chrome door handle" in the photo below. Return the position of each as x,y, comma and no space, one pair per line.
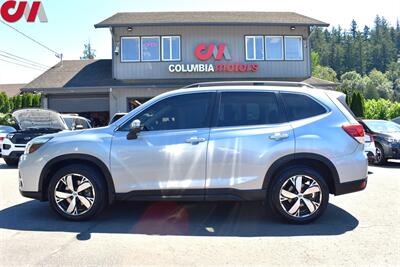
278,136
195,140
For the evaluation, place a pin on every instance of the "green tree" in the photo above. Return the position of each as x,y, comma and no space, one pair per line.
379,83
357,104
88,52
324,73
352,81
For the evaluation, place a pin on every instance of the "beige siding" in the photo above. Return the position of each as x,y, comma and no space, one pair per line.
233,36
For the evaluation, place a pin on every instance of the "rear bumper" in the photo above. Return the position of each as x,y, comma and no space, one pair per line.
350,187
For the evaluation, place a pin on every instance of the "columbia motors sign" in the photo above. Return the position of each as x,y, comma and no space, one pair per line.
13,11
217,52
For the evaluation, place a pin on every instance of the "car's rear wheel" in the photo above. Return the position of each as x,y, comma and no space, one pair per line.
77,192
299,194
11,162
380,155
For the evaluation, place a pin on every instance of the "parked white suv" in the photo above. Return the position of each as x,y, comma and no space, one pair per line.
287,143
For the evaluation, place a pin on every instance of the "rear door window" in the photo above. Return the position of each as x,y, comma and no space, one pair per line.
248,108
300,106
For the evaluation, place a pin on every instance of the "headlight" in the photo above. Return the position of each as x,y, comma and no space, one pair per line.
10,136
35,144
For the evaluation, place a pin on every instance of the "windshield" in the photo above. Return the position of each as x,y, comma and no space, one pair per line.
383,126
69,122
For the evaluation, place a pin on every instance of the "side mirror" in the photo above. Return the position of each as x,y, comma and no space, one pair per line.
134,130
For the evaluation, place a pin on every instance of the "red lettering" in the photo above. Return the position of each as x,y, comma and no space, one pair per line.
242,68
220,68
203,53
221,51
254,67
5,10
34,11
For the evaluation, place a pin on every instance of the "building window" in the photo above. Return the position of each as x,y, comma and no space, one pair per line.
151,48
130,49
274,48
171,48
254,48
293,48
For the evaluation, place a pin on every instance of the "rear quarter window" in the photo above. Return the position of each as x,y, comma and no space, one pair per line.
300,106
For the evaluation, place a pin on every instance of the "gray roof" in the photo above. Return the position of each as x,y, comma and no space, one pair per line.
208,18
11,89
75,73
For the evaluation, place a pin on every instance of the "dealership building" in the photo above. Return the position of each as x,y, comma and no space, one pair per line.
157,52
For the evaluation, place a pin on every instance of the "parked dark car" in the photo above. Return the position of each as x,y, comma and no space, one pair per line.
387,139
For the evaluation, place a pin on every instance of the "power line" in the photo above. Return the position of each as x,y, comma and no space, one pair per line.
29,67
23,60
30,38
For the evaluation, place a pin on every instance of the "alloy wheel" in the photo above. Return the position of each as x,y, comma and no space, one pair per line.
300,196
74,194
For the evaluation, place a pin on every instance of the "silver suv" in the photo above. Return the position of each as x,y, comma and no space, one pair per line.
286,143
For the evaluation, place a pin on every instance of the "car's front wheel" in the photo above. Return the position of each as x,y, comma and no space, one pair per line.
380,155
299,194
77,192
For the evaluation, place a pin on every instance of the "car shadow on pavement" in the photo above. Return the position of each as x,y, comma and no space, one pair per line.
5,167
246,219
391,165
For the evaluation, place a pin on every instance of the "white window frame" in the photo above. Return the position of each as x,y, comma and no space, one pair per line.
122,50
159,49
170,47
254,47
301,45
282,47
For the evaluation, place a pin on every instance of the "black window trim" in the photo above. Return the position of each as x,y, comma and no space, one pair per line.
209,116
285,109
218,105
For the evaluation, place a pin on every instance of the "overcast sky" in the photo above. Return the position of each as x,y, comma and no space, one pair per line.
71,23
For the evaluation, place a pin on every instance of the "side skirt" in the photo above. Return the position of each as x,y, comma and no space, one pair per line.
220,194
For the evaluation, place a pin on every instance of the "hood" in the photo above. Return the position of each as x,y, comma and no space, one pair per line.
39,119
394,135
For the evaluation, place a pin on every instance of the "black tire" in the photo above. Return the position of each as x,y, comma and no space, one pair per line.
98,184
11,162
380,155
283,178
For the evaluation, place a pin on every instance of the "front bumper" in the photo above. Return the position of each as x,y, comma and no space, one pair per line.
11,150
350,187
394,150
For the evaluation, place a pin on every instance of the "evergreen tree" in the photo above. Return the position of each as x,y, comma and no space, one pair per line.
357,104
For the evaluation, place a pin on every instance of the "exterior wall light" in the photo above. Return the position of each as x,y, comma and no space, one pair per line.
292,28
130,29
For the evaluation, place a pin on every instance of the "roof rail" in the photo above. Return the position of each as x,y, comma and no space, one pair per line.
254,83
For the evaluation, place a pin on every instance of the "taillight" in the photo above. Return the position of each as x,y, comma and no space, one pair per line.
356,131
1,139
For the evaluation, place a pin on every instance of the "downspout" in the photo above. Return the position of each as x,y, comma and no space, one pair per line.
310,32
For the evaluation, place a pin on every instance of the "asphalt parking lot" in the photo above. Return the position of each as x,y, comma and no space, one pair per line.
357,229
